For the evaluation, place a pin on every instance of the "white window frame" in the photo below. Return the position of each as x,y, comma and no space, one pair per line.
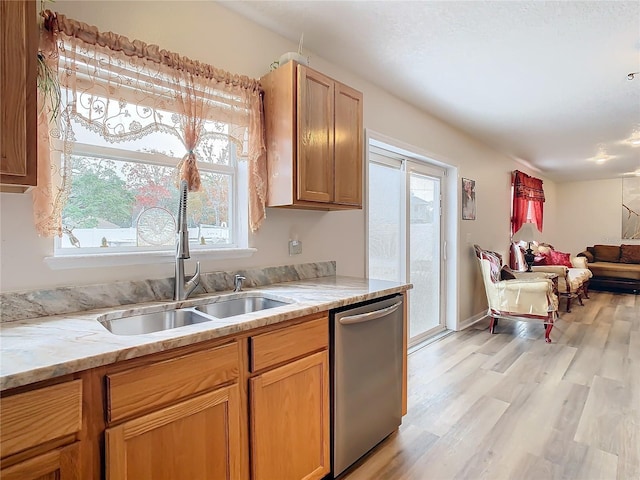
89,257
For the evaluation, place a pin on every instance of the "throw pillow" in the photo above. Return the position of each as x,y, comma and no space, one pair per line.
516,258
606,253
579,262
495,261
541,259
560,258
506,274
630,253
544,249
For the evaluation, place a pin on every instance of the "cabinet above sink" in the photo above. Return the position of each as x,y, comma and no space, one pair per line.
314,140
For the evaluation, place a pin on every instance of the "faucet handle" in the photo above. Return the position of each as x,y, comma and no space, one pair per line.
193,282
237,282
196,274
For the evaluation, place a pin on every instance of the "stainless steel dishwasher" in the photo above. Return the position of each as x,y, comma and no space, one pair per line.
367,378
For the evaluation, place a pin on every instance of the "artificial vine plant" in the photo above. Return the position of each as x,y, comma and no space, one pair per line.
47,79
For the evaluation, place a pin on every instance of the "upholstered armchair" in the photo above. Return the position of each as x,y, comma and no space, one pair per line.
529,299
573,276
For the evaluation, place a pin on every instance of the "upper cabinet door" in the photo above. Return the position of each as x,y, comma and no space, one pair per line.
313,127
315,136
18,92
348,145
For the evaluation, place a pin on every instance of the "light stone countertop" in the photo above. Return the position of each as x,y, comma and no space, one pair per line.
47,347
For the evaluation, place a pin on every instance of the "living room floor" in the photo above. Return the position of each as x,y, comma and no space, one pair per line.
510,406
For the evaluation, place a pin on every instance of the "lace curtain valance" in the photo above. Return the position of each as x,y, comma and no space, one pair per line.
123,90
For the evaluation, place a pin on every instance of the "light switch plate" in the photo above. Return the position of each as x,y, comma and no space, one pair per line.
295,247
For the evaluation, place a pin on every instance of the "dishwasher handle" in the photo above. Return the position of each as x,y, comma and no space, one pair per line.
367,317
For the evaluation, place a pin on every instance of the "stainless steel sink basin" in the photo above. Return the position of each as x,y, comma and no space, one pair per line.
220,307
239,306
154,322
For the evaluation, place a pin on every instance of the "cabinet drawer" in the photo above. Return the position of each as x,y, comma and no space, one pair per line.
33,418
276,347
148,387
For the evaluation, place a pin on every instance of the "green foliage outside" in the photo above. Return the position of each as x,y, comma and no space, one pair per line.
98,194
107,193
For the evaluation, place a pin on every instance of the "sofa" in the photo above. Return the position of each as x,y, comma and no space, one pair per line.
614,267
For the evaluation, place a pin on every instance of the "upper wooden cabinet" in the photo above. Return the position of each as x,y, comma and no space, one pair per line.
314,140
18,95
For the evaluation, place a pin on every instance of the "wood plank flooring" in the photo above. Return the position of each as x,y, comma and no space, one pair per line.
510,406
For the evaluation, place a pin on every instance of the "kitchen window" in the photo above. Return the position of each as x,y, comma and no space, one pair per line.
129,121
123,196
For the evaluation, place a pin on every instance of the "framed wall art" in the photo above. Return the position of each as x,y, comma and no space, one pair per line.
631,208
468,199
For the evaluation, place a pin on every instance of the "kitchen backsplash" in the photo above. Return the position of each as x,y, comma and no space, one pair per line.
38,303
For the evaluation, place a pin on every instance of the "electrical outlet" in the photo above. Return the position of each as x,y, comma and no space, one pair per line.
295,247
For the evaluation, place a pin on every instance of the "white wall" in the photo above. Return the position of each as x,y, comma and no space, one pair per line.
590,213
208,32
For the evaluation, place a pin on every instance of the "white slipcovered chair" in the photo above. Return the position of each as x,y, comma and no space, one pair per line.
573,282
529,299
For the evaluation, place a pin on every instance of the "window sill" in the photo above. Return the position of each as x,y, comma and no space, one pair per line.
63,262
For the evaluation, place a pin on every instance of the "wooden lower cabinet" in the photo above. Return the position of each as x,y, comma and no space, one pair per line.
39,433
290,420
59,464
252,406
195,439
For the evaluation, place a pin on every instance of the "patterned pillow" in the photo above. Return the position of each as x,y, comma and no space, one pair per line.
559,258
495,262
630,253
544,249
542,259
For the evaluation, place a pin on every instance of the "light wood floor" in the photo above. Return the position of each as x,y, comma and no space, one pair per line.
510,406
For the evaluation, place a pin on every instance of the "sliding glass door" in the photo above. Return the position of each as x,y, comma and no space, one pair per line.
424,253
404,235
386,227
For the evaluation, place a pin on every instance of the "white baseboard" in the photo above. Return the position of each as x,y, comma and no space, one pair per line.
471,320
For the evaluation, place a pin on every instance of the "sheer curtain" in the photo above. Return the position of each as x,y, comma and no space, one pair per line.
528,200
123,90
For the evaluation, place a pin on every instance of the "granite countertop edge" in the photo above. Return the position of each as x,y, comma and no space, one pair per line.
48,347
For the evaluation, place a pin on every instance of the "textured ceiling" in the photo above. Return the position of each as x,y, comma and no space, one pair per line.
542,81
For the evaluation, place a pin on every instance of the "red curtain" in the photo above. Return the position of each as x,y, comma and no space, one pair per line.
528,197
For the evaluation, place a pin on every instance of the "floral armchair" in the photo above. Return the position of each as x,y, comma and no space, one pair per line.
530,298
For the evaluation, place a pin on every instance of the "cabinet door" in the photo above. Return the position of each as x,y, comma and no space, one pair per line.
315,136
348,146
18,110
60,464
290,420
198,439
